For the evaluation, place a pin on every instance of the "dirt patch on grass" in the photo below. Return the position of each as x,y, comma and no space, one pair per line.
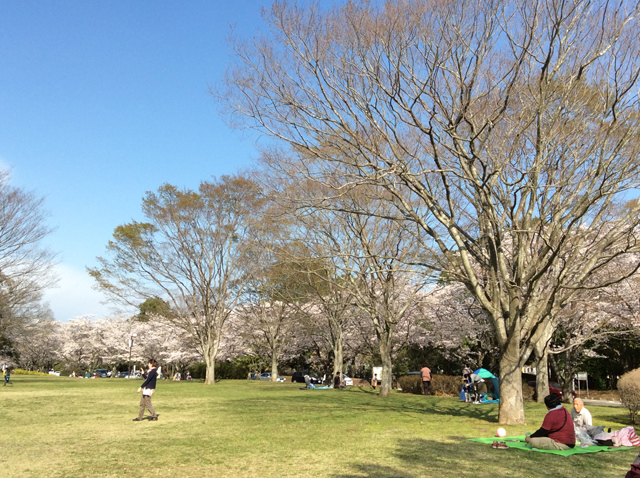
611,395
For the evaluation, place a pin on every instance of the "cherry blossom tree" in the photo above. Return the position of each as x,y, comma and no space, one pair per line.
37,345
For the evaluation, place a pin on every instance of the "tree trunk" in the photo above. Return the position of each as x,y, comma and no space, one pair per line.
210,361
569,372
511,410
542,377
338,360
274,366
385,355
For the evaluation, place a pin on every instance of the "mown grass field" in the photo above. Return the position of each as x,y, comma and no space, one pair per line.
60,427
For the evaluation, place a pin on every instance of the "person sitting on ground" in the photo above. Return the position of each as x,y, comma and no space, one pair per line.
580,415
557,431
87,374
337,381
582,419
634,472
188,376
307,381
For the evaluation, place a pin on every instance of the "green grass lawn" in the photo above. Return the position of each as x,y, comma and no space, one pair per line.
59,427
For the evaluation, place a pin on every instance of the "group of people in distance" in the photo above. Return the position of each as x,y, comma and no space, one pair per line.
471,386
178,376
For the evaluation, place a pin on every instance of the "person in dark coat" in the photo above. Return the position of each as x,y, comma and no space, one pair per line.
148,388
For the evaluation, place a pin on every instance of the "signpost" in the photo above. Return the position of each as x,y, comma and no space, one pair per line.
582,376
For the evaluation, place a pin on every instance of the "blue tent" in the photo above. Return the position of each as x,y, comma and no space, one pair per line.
484,373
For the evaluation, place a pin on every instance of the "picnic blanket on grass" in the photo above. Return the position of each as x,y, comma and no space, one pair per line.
522,445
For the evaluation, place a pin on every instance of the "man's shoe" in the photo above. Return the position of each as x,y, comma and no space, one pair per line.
154,419
137,419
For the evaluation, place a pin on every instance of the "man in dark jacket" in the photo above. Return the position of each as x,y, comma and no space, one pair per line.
556,432
147,389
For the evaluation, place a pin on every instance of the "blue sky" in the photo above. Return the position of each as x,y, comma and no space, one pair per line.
103,101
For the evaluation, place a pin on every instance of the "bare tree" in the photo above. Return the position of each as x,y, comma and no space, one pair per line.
195,253
269,329
25,265
366,258
506,131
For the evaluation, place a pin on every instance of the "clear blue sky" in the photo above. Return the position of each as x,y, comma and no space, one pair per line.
101,101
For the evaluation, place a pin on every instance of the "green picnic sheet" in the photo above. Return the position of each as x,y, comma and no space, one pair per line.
522,445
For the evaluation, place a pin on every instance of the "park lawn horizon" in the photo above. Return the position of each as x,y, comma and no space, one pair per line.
61,427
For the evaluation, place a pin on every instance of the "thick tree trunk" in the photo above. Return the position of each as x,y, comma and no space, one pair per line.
542,377
569,372
274,366
210,361
385,354
511,410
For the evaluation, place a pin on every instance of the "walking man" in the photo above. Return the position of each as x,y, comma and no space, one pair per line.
148,388
7,376
426,380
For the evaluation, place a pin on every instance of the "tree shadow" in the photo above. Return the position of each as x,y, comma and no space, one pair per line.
458,457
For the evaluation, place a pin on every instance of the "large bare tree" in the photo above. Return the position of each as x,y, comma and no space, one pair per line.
506,130
25,264
195,252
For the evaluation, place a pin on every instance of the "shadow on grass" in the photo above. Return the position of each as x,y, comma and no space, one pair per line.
622,419
364,401
420,457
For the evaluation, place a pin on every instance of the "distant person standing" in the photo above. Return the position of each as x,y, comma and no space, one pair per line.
148,388
7,377
474,381
426,380
374,381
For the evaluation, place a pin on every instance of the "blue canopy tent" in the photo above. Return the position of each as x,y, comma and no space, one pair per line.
484,373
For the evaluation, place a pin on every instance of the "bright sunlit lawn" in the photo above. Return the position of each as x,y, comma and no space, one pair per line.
52,427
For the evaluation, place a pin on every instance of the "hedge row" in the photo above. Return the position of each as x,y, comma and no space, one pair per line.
224,370
440,384
451,386
19,371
